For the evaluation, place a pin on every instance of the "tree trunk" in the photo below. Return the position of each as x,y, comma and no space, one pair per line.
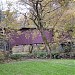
46,43
30,48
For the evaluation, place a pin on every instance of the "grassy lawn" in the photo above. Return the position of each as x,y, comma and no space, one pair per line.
39,67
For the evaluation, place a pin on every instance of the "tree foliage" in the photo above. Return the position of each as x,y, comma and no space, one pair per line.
51,14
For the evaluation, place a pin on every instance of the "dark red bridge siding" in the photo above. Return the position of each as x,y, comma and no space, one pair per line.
26,37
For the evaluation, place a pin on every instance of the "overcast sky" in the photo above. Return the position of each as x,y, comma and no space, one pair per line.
3,3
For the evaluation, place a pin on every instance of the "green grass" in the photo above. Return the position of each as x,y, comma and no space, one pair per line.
39,67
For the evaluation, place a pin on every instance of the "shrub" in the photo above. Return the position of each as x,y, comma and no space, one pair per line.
40,54
28,56
55,55
15,56
2,57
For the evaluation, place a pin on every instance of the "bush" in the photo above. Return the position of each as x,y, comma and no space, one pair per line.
55,55
40,54
15,56
28,56
2,57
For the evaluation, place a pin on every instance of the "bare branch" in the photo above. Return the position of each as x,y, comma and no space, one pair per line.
51,11
45,5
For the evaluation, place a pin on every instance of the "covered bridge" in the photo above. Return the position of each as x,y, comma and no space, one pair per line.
29,36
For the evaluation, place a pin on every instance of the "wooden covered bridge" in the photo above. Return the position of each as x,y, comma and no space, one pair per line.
24,36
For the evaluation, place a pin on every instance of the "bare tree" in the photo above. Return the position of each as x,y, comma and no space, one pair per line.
41,13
